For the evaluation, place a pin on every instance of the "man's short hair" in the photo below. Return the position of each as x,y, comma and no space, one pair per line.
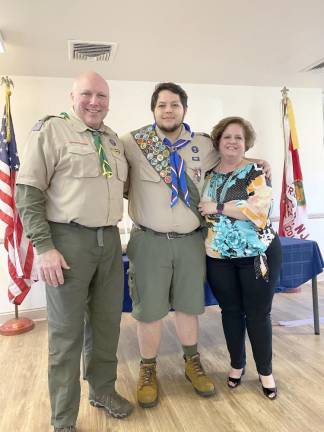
173,88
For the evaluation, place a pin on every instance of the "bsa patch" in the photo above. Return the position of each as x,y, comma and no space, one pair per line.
112,142
194,149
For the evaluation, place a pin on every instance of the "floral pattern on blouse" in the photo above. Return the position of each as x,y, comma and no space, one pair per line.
234,238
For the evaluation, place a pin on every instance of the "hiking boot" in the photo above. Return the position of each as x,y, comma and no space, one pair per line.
147,386
65,429
114,404
195,373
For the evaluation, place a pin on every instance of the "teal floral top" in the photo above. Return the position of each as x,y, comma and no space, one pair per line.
233,238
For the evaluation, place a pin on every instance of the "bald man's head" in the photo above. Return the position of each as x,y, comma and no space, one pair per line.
90,97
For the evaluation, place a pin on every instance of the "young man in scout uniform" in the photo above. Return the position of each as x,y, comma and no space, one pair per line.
69,196
167,163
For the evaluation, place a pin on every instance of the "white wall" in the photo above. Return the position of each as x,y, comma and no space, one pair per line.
130,108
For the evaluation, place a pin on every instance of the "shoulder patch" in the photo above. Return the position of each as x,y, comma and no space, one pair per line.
203,134
38,126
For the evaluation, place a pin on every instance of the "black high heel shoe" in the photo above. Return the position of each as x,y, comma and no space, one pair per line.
269,392
234,382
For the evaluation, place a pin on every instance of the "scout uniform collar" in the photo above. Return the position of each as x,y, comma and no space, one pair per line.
79,126
163,156
185,133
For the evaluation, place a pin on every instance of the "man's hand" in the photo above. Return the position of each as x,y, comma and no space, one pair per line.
266,167
50,266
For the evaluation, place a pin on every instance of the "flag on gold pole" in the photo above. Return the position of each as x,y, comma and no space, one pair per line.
292,203
20,250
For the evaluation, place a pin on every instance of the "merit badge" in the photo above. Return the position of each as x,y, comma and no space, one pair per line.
162,173
159,157
112,142
167,179
153,161
149,156
196,175
194,149
158,167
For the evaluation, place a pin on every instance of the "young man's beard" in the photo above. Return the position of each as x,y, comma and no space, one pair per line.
171,128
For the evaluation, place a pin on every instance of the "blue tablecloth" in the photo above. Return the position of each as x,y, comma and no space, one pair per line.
301,261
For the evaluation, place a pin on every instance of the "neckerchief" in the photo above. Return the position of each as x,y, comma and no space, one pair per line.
104,164
177,168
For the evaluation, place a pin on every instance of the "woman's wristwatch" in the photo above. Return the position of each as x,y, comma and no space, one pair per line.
219,208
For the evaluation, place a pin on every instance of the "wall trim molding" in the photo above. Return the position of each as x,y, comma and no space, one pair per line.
38,314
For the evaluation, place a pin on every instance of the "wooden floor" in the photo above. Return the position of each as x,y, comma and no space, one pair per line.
298,367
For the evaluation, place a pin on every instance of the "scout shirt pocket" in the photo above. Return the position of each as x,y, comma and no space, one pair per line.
121,165
148,173
84,160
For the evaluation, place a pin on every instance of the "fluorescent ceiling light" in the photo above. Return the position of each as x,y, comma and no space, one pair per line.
2,46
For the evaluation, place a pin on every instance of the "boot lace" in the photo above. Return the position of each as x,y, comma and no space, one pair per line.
197,366
147,377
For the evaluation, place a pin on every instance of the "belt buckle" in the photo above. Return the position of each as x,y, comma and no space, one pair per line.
172,235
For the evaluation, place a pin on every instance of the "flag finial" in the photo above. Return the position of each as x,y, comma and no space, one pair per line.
284,92
5,80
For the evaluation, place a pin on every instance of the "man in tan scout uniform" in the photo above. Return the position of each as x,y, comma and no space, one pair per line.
69,195
167,163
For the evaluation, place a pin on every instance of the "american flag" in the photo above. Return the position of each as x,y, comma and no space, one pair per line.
19,248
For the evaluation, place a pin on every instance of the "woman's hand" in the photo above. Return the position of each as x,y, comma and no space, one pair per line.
207,207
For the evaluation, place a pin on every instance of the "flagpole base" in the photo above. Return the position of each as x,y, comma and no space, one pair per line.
16,326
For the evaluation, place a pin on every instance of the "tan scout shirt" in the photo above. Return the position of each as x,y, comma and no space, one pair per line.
149,197
61,160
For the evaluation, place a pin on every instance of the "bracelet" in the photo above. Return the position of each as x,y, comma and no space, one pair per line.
219,208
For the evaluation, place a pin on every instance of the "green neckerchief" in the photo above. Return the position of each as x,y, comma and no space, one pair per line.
104,164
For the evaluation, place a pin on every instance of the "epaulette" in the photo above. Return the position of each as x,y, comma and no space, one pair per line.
38,126
203,134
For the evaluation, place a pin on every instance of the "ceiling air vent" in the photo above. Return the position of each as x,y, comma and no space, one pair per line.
316,67
92,51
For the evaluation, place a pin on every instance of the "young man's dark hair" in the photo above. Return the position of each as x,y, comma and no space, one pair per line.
172,87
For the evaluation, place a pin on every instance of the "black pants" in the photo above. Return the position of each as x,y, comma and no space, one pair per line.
246,304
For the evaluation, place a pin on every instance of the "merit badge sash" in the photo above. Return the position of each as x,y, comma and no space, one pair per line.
158,156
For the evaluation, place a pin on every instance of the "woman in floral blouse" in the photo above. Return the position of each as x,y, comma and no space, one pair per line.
243,250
